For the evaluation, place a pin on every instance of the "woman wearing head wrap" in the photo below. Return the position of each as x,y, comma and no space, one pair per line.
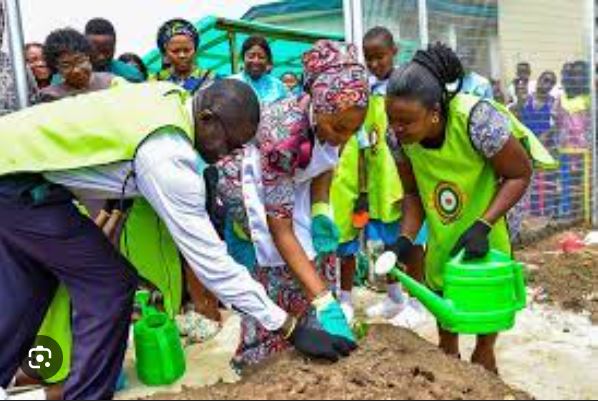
258,59
276,193
178,41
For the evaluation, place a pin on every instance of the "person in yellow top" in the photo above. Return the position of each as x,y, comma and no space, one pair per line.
367,187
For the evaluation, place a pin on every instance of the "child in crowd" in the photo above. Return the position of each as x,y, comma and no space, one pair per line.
574,125
367,184
522,94
538,114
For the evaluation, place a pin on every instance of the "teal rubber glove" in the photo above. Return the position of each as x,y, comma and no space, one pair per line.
325,234
331,317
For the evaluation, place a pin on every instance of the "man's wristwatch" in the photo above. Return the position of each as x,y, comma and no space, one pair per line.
288,328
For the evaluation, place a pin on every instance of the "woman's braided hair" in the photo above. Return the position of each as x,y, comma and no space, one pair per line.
434,77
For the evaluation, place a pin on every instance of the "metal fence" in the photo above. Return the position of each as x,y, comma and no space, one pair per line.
538,56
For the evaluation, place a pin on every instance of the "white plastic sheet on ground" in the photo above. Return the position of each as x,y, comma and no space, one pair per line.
207,364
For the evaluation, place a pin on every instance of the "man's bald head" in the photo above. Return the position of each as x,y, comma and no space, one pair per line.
227,115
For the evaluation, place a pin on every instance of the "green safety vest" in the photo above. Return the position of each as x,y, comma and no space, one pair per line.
457,184
146,242
90,130
385,190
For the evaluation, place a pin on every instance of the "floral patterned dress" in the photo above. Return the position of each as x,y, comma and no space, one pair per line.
284,131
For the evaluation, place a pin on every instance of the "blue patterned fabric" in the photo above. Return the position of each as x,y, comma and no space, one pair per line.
477,85
198,79
268,88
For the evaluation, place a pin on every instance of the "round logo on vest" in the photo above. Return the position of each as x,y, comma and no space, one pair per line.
448,201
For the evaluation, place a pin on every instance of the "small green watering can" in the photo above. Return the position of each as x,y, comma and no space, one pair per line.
160,358
480,297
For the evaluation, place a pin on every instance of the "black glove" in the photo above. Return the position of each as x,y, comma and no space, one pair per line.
122,205
475,241
402,248
318,344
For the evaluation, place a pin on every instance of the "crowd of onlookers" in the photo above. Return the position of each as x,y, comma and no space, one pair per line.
70,62
559,113
557,110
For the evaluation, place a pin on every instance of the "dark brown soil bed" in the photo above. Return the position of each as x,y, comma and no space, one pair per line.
569,280
390,364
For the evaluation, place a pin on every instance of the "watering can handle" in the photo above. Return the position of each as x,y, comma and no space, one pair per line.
459,259
520,288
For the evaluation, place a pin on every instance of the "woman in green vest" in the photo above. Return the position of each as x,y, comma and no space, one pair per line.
463,167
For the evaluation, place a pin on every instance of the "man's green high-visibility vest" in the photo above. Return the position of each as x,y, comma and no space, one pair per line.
90,130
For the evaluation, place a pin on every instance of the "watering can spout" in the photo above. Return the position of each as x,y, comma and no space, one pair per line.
443,309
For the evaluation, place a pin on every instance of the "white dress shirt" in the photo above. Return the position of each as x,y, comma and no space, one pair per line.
166,175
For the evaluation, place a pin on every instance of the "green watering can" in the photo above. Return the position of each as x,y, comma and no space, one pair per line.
160,358
480,297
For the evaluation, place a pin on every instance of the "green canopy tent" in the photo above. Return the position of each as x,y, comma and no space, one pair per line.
221,41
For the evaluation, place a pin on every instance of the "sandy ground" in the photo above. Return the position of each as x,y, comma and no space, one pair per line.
551,354
391,364
553,351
